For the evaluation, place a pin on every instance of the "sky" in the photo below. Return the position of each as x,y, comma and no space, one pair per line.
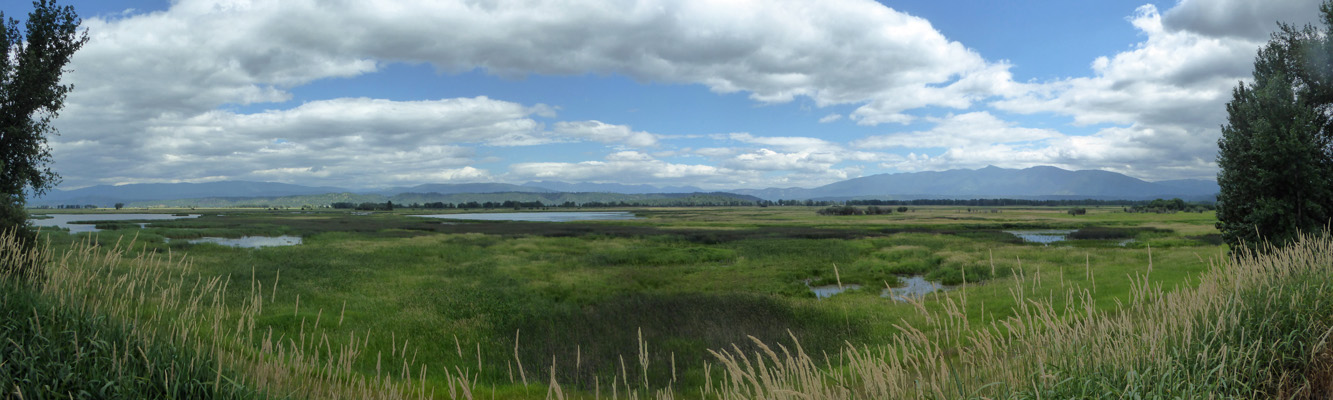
716,94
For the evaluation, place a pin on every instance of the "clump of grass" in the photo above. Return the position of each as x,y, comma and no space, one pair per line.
165,323
58,352
1256,326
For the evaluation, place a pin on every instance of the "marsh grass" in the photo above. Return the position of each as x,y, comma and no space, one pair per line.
1256,326
149,326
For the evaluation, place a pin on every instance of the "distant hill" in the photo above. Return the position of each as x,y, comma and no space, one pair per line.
994,182
404,199
610,188
452,188
1038,183
107,195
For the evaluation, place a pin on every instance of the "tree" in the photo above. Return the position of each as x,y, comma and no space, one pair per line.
30,98
1275,159
120,205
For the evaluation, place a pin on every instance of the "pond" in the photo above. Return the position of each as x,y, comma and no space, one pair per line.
64,220
251,242
916,287
1043,236
539,216
826,291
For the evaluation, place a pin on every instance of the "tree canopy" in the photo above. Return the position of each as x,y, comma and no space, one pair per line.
1275,159
31,96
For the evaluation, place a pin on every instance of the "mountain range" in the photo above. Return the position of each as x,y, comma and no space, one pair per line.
990,182
1039,183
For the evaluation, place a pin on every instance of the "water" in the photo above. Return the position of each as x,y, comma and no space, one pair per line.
251,242
539,216
916,288
826,291
63,220
1043,236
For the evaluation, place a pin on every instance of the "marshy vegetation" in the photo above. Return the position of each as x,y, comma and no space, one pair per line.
690,303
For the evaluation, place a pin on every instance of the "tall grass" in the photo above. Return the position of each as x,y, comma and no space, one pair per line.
181,326
1256,326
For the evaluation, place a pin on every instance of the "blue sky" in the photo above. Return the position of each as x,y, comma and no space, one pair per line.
714,94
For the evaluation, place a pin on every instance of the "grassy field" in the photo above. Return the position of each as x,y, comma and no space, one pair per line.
525,309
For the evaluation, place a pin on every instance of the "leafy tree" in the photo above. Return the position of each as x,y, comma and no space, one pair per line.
1275,157
120,205
30,97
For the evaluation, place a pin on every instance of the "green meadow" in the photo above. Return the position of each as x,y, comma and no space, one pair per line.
405,306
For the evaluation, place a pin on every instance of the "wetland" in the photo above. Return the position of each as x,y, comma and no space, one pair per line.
591,289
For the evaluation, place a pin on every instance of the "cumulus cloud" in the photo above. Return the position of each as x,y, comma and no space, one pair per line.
203,53
347,141
1165,97
1244,19
155,90
605,133
156,94
1134,151
626,167
970,129
763,168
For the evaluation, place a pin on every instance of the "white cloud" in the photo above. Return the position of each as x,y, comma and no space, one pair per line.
786,143
971,129
448,175
1137,151
1247,19
630,167
156,94
345,141
830,118
154,91
605,133
1165,98
200,54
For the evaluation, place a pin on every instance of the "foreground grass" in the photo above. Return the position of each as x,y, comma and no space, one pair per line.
55,349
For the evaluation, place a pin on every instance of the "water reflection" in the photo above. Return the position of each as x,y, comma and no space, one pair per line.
251,242
1043,236
916,287
564,216
64,220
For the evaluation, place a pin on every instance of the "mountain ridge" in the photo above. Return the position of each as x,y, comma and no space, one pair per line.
1038,183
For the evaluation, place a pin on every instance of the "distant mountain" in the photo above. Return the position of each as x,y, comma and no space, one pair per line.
610,188
404,199
989,182
455,188
994,182
107,195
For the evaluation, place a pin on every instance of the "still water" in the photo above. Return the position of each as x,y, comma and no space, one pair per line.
63,220
1043,236
539,216
251,242
916,288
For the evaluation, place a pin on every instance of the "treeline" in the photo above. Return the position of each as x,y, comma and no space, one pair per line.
853,210
533,205
1161,206
1002,202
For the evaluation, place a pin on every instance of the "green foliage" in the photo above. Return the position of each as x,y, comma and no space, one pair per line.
1268,343
55,351
1276,150
30,98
